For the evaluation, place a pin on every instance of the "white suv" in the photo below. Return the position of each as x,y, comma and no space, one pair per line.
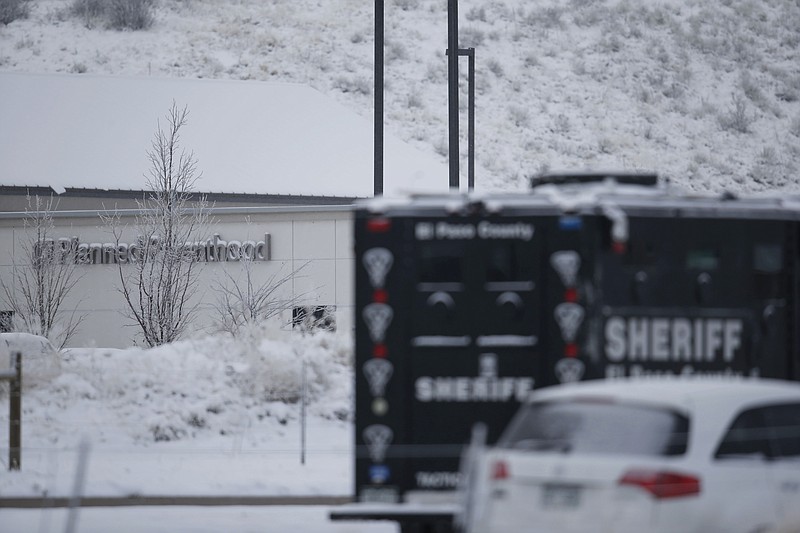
701,455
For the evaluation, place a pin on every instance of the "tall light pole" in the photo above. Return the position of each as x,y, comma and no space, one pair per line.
452,88
378,134
470,53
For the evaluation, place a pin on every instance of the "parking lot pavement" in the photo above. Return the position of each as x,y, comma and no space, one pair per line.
186,519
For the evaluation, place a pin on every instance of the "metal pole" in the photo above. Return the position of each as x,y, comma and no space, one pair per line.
15,416
470,52
452,86
378,140
303,417
471,123
77,486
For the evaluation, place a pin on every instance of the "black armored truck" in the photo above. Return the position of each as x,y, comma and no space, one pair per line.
467,302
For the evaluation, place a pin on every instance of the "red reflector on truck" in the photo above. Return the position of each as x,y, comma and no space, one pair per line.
379,225
380,296
662,484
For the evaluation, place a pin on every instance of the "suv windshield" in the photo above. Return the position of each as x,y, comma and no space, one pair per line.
591,427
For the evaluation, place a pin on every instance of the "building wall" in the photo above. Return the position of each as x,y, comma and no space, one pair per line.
312,245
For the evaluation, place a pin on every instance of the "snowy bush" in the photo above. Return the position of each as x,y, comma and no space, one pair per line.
119,14
11,10
476,13
350,84
471,37
495,67
273,366
769,170
407,5
737,118
131,14
396,51
88,10
519,116
41,362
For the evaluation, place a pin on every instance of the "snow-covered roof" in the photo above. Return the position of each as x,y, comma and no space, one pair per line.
84,131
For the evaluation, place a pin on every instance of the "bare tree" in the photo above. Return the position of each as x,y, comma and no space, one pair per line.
159,280
44,274
242,302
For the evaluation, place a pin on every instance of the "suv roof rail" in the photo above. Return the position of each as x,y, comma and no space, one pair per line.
577,178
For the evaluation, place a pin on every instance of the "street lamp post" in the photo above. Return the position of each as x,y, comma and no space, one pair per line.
452,89
378,133
470,53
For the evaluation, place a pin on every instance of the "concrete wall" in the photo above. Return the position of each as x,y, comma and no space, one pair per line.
311,244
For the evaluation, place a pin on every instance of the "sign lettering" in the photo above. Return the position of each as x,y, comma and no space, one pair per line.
467,389
678,339
437,480
426,231
72,250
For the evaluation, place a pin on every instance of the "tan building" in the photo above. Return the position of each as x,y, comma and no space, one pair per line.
281,164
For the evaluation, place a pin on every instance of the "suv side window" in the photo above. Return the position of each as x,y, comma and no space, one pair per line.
768,432
783,425
745,438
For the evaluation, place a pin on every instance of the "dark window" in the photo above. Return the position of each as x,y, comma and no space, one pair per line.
768,432
6,321
640,253
745,438
440,262
321,317
597,427
504,263
702,259
768,258
769,280
783,425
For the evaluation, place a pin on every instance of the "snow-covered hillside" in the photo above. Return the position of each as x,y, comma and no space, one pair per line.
707,93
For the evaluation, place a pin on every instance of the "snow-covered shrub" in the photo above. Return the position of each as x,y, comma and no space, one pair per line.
119,14
471,37
550,17
768,170
41,362
88,10
69,387
350,84
737,118
752,90
396,51
11,10
131,14
476,13
495,67
407,5
273,366
414,100
519,116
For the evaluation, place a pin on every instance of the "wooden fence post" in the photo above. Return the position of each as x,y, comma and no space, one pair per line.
15,416
14,375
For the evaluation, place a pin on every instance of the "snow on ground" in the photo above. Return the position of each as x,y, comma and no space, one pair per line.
206,417
211,416
188,520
